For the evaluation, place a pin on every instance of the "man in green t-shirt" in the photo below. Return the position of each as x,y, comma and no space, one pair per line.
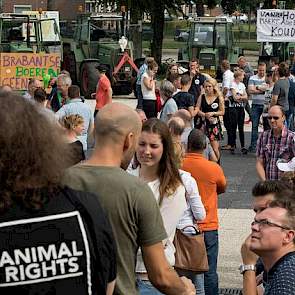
128,202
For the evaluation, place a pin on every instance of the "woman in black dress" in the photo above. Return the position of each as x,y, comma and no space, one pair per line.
210,106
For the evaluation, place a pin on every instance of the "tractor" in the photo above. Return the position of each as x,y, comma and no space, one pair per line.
97,39
210,40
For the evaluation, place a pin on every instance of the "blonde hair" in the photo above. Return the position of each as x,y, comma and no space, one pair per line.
71,121
214,83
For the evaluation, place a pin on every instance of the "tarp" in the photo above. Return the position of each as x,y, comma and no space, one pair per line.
275,25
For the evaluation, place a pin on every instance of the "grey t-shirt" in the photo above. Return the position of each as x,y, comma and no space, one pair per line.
132,211
281,88
170,107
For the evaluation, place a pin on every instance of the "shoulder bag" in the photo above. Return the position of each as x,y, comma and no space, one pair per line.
190,250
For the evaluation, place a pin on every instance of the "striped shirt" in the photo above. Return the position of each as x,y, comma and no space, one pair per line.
270,149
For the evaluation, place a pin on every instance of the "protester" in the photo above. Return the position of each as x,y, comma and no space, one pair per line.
54,238
237,98
211,106
40,97
272,239
148,88
32,86
227,78
104,90
211,182
169,106
158,169
276,143
291,101
256,88
129,204
73,126
267,99
60,96
281,88
141,71
183,98
175,80
76,105
171,70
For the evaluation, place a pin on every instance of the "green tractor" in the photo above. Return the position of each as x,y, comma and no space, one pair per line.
210,40
98,40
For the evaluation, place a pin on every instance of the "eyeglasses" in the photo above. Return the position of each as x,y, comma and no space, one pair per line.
265,223
273,117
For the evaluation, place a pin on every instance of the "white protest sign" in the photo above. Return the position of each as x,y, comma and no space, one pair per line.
275,25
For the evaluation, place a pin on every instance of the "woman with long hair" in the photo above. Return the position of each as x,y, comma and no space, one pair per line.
157,168
52,236
148,88
210,106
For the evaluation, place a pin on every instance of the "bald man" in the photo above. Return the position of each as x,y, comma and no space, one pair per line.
128,202
274,144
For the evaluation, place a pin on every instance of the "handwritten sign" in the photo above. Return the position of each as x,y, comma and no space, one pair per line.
17,68
275,25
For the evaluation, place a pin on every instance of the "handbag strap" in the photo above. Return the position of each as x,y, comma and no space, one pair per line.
191,226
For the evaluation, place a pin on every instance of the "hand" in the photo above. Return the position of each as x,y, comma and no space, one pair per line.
209,115
189,287
248,256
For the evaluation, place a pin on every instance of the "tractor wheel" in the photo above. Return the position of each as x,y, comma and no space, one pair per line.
88,78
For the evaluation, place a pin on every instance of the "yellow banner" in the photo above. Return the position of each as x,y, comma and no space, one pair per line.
17,68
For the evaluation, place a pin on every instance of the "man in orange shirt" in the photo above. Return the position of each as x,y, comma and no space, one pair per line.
211,182
104,90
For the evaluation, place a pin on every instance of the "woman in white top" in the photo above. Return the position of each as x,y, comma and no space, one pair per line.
157,168
148,88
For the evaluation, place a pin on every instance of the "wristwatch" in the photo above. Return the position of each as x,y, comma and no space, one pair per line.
245,267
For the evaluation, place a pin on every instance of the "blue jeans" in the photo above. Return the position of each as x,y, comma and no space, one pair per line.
290,119
197,280
146,288
211,277
138,96
256,113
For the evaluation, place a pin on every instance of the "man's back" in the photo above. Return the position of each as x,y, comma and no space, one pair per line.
211,181
131,209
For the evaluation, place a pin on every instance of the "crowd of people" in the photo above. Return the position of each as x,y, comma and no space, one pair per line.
103,220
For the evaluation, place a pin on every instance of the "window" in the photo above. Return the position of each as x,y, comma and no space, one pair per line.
21,8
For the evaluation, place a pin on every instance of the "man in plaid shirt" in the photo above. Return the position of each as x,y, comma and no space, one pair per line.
274,144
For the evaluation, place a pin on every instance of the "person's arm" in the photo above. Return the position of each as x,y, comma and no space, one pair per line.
162,275
211,154
221,181
274,100
110,288
249,276
260,169
220,111
275,95
109,95
148,82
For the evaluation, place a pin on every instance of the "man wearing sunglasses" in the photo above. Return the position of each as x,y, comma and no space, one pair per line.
272,239
273,145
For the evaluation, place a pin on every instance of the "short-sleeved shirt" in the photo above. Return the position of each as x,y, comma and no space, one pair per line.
197,82
227,78
103,87
141,71
184,100
169,108
255,80
281,88
67,247
270,149
132,211
240,88
280,280
77,106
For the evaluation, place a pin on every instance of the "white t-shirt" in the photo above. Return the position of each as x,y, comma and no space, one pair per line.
149,94
227,78
240,88
172,209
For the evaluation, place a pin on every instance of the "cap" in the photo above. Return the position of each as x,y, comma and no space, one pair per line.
289,166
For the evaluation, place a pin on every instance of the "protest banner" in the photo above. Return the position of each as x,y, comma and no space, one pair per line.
275,25
17,68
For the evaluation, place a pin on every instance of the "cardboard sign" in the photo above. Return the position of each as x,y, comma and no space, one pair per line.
275,25
17,68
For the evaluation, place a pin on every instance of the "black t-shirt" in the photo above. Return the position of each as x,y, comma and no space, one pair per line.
184,100
65,248
197,81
